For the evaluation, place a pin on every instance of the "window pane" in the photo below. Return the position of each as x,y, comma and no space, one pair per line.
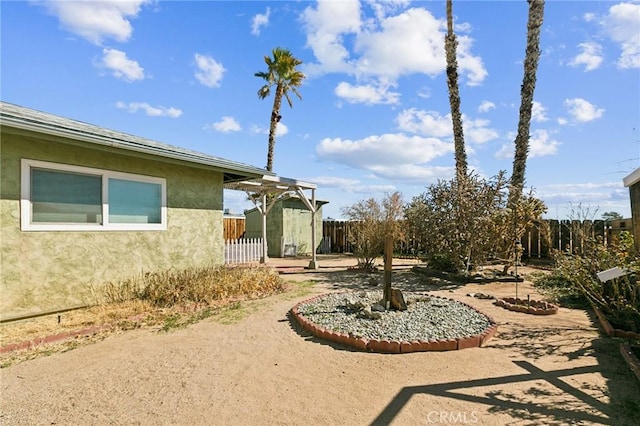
63,197
134,202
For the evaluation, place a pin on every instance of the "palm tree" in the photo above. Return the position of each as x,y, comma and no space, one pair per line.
532,55
450,44
282,74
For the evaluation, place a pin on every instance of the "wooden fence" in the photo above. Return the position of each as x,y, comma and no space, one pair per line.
563,235
242,250
234,227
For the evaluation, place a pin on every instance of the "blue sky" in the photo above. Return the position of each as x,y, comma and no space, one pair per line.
374,117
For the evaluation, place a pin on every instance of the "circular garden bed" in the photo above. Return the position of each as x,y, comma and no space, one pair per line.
429,323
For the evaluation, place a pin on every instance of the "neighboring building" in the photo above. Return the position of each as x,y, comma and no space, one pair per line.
633,183
288,227
81,205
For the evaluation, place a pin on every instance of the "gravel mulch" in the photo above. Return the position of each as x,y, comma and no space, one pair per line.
426,318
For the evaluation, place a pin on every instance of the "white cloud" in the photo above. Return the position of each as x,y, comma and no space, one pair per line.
477,131
209,71
432,124
562,121
391,156
350,185
592,198
226,125
120,66
486,106
366,94
151,111
334,181
412,42
582,110
384,48
96,21
538,112
591,56
622,25
281,129
260,20
426,123
540,144
325,26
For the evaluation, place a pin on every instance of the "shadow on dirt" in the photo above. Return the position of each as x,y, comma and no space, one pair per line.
526,407
580,400
403,278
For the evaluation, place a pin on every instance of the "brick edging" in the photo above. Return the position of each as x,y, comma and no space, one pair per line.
608,328
394,346
631,359
534,307
54,338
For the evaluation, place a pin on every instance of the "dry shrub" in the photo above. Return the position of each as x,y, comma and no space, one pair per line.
200,286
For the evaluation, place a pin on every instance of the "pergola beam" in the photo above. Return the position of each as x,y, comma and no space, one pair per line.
261,188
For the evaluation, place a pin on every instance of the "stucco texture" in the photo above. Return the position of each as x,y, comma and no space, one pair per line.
288,223
45,271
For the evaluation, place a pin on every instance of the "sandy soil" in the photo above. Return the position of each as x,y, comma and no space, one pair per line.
263,369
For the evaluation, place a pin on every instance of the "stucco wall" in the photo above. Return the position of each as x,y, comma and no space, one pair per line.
274,228
44,271
297,226
288,221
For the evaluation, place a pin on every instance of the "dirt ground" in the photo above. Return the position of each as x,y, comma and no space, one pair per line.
262,369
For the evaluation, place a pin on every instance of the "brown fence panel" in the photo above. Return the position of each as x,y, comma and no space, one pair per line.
234,228
338,232
563,235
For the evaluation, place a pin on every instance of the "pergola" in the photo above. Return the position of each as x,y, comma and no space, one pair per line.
266,190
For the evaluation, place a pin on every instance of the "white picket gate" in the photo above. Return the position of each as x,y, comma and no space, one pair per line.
243,250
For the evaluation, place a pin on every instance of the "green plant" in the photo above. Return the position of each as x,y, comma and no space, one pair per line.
560,290
171,322
442,262
618,299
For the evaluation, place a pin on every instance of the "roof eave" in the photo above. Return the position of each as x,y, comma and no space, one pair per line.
632,178
239,171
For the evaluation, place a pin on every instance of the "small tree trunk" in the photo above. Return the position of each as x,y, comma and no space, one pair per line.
388,260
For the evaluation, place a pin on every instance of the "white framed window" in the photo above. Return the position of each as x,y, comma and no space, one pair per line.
61,197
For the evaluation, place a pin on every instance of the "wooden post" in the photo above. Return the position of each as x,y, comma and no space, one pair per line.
388,259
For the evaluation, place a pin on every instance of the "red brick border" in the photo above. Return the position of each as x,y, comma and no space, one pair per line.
613,332
533,307
631,359
395,347
54,338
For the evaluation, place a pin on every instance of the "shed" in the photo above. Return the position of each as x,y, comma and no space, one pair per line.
82,205
288,225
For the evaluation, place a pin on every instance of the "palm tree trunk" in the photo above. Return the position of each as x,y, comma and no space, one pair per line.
534,24
275,118
450,44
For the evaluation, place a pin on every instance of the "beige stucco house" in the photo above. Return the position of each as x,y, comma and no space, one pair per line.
81,205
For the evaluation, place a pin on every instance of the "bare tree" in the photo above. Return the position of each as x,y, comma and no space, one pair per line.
373,220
